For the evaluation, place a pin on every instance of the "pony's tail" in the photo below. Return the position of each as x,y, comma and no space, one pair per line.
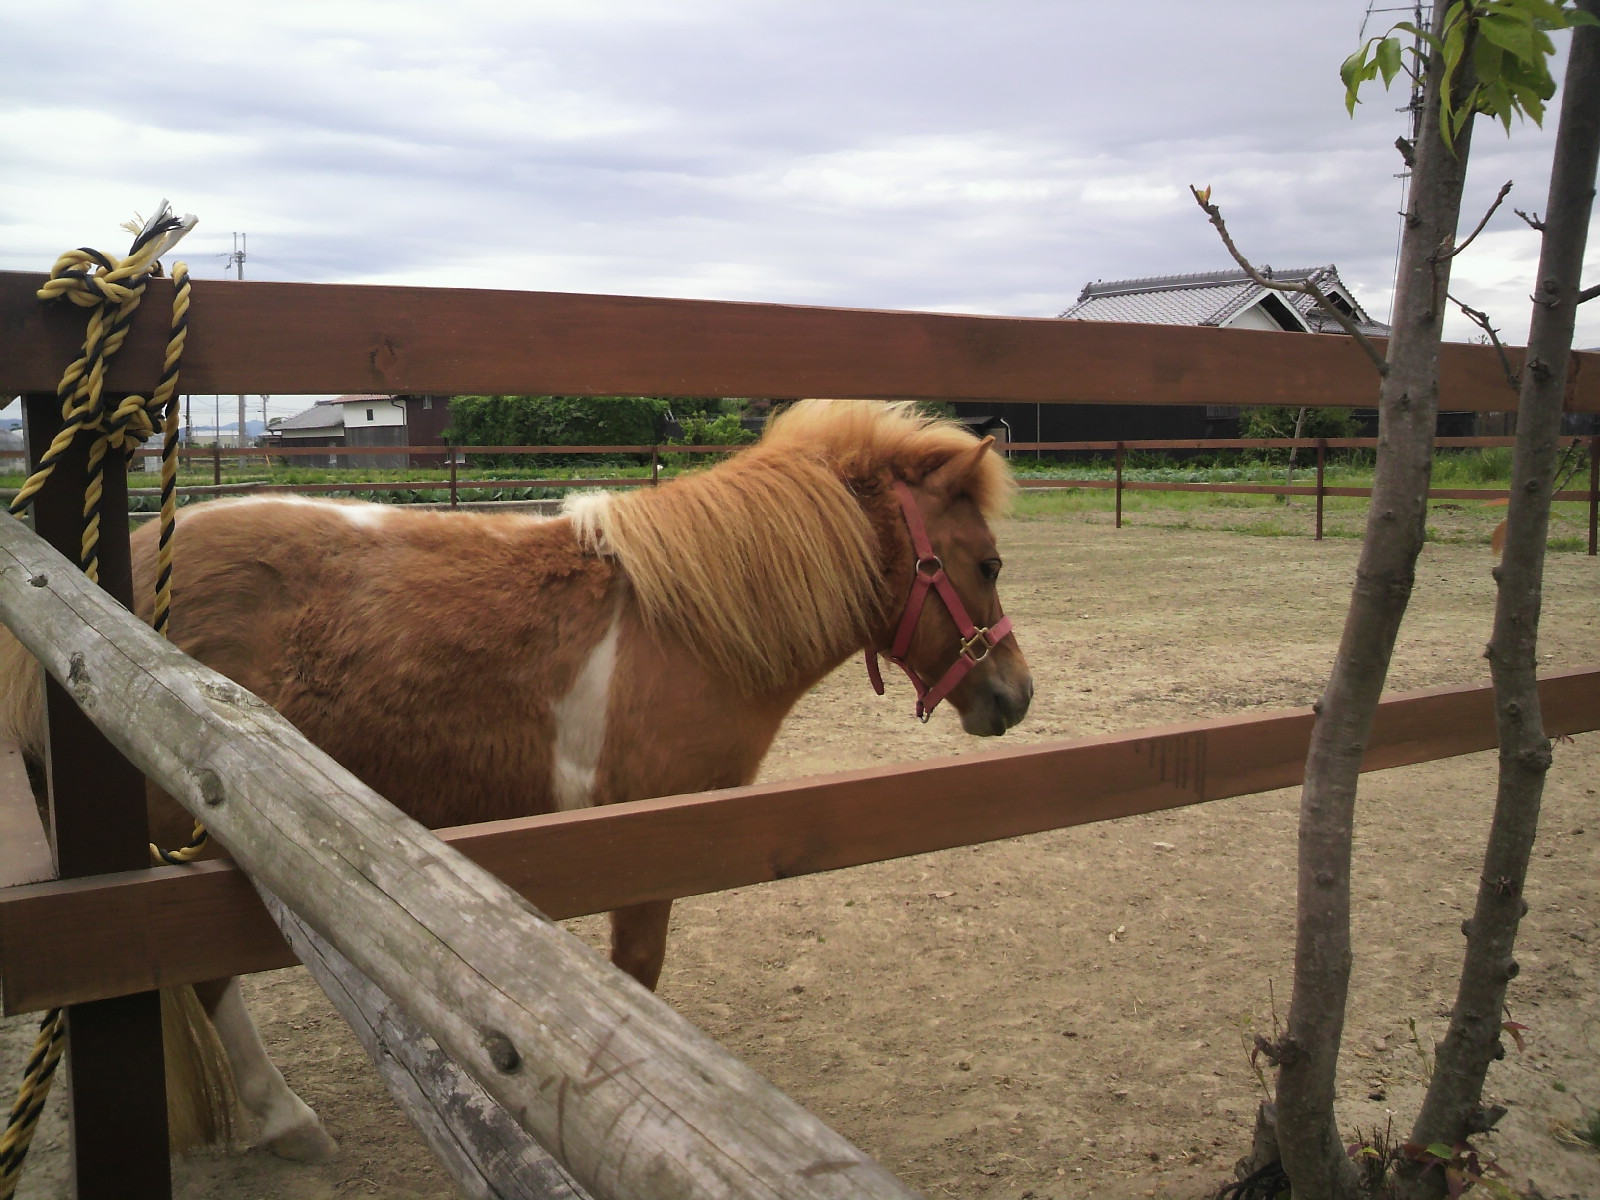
202,1101
21,698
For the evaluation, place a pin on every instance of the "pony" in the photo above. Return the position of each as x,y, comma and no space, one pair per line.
473,667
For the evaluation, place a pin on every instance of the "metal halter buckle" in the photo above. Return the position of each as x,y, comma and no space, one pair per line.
980,637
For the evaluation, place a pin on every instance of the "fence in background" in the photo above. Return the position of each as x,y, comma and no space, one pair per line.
457,456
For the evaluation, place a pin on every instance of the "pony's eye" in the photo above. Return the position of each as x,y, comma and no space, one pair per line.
990,569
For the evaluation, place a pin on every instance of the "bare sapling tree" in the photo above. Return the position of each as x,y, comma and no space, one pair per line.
1476,56
1453,1109
1308,1052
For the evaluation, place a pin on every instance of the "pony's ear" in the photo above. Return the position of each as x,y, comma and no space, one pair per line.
950,478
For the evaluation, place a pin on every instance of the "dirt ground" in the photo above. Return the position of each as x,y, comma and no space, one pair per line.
1065,1015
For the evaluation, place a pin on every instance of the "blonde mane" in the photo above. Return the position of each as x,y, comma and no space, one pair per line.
767,565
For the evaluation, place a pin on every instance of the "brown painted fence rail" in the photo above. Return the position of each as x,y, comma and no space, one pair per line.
80,939
310,339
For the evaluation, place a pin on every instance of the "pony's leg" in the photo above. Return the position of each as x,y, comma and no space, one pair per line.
288,1126
639,939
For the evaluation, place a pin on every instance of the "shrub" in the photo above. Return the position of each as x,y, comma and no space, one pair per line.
555,421
724,429
1278,422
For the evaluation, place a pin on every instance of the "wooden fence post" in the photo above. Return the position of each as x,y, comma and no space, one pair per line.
97,818
1118,524
655,467
1594,491
216,462
1322,456
452,453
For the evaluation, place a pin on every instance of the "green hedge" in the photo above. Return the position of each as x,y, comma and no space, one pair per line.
556,421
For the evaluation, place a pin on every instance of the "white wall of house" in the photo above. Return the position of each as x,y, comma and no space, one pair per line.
369,414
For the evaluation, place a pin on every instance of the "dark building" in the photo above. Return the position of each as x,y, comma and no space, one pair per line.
1222,299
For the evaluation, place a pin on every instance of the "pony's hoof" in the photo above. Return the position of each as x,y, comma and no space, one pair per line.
308,1144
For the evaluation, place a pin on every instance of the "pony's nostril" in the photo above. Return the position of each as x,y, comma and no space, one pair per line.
1015,704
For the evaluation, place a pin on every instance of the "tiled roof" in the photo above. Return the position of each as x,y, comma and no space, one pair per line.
1210,298
324,414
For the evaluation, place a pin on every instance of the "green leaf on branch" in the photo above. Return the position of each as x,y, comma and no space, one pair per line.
1510,47
1388,59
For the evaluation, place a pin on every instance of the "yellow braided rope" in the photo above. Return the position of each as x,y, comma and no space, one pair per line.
169,519
120,283
29,1105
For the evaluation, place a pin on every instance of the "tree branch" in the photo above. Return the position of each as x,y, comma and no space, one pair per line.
1505,188
1481,320
1588,293
1533,220
1305,287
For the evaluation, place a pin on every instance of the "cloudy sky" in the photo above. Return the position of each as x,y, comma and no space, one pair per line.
987,157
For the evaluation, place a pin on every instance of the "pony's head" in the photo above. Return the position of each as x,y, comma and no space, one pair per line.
928,487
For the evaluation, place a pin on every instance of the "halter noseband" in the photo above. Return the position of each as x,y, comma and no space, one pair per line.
927,574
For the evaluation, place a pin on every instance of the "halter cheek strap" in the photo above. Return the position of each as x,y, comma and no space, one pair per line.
928,576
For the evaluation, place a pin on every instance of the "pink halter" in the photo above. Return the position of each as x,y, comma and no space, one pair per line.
928,575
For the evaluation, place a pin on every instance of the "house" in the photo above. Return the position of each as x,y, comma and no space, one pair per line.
1223,299
369,420
320,425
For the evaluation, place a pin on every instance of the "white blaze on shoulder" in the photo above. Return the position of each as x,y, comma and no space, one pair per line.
580,725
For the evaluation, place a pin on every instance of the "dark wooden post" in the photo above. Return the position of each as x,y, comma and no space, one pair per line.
216,462
1322,456
1594,491
1119,486
97,820
453,500
655,468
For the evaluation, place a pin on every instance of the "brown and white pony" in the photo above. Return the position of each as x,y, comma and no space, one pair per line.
473,667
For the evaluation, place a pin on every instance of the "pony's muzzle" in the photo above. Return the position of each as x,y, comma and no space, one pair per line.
995,704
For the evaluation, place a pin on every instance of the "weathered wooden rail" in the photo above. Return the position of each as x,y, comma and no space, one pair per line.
576,1016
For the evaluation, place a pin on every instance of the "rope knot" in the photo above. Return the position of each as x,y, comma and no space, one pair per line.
74,278
112,288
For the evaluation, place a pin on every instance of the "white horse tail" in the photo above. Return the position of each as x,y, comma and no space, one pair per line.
202,1101
21,698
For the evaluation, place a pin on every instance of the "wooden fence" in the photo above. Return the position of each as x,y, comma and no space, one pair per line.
453,485
215,739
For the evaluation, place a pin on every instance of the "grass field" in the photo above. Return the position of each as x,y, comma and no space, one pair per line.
1458,521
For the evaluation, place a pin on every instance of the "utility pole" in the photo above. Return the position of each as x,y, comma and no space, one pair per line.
237,259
